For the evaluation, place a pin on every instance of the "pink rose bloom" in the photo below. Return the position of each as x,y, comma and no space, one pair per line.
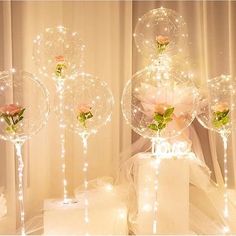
84,108
164,40
223,106
161,108
11,109
60,58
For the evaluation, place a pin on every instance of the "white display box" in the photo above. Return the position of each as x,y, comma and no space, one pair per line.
172,195
107,216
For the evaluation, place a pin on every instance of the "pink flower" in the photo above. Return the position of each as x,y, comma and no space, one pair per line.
84,108
163,40
60,58
161,108
11,109
223,106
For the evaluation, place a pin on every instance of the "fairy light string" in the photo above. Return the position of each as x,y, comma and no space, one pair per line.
60,91
224,137
18,147
84,137
156,166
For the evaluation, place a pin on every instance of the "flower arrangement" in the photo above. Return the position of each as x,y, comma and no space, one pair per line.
12,115
162,116
162,43
84,113
61,66
220,115
165,108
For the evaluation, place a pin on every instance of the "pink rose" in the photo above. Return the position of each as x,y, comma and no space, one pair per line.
161,108
11,109
220,107
60,58
84,108
163,40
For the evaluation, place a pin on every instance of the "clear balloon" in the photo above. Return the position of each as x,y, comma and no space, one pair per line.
159,103
24,105
160,31
58,53
217,108
87,103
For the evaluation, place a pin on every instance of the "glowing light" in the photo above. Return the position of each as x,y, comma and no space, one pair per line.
109,187
226,229
156,165
122,213
60,91
226,205
18,147
84,137
147,207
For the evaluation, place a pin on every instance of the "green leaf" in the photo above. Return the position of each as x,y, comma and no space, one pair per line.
21,118
153,127
168,119
9,129
158,117
225,120
6,118
21,112
82,117
225,113
88,115
217,123
161,126
169,112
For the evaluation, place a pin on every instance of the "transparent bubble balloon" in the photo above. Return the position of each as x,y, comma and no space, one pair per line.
159,104
217,107
160,31
24,105
87,106
58,53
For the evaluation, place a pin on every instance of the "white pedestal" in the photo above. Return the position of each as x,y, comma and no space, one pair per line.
172,195
105,217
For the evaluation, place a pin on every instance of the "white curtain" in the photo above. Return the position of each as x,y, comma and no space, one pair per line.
7,162
106,28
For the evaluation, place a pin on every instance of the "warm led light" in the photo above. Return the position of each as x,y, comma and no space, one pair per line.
226,204
226,229
60,91
122,213
147,207
84,137
109,187
18,147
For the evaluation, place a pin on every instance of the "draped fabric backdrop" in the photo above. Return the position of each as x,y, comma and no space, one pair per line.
106,28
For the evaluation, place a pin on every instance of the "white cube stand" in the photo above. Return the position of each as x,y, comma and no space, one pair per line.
66,219
172,195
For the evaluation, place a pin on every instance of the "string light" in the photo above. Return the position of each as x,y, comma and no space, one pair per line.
60,91
156,166
122,213
109,187
85,170
226,228
18,147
